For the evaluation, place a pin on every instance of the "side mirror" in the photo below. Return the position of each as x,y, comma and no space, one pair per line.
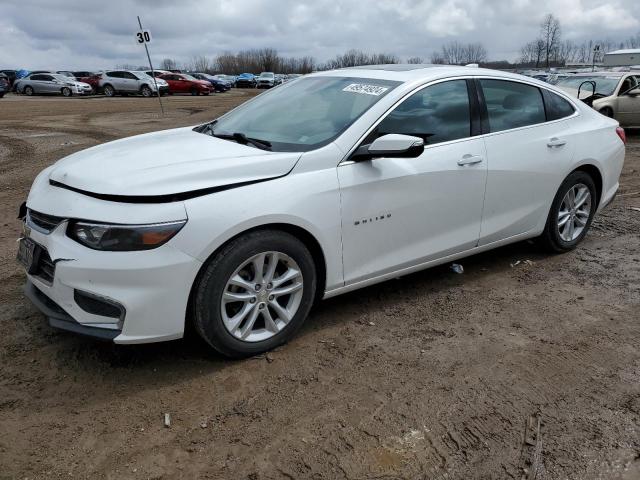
391,145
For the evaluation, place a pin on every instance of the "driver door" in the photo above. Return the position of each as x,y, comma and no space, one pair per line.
401,212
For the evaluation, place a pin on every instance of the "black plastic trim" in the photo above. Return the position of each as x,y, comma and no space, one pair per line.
167,198
474,108
484,113
60,319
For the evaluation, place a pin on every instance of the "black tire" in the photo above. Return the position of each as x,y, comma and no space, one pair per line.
211,283
28,90
66,92
109,91
145,91
550,238
194,92
1,94
607,112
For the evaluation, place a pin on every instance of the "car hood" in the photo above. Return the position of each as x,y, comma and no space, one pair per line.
585,91
168,162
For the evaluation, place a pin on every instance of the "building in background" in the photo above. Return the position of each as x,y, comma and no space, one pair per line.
622,58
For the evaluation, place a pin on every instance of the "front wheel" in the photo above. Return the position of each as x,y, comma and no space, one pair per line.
145,91
255,293
66,92
571,213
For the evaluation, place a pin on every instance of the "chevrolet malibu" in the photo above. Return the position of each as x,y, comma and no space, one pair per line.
335,181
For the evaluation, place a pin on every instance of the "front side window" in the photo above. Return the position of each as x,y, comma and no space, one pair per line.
303,115
512,104
438,113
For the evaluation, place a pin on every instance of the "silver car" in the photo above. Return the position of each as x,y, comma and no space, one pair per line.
52,83
115,82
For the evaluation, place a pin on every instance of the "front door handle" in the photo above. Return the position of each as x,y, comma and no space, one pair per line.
470,160
556,142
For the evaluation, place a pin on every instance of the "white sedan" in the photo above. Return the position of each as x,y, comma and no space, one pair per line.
329,183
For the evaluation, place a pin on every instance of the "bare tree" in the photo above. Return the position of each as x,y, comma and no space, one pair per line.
415,60
201,64
474,53
168,64
437,58
550,35
453,53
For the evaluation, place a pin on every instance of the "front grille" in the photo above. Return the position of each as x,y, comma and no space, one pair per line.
45,269
43,222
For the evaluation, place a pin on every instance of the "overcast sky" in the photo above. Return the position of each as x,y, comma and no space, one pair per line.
92,34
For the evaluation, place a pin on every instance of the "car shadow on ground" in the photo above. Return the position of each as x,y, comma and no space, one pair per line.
191,353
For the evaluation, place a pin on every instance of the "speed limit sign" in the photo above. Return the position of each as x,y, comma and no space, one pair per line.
143,36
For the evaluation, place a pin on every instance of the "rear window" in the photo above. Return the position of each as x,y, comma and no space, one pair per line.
556,106
512,104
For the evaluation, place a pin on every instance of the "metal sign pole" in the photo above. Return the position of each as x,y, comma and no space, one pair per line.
153,73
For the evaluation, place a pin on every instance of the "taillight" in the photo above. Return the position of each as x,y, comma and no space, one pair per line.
621,134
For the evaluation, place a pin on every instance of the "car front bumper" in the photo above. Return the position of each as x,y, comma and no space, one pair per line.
150,287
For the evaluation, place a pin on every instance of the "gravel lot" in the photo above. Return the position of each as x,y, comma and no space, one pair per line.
435,375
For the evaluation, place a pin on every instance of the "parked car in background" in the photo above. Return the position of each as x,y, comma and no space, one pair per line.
230,79
5,87
216,84
614,94
279,79
11,76
183,83
126,82
163,86
66,73
325,185
51,83
266,80
156,73
91,78
246,80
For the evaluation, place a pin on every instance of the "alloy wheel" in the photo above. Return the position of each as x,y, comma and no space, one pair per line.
574,212
262,296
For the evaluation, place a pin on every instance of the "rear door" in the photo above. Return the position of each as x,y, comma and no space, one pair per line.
526,149
130,82
401,212
629,105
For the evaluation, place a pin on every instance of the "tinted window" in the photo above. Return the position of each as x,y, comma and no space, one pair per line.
436,114
48,78
556,106
129,75
114,74
36,77
512,105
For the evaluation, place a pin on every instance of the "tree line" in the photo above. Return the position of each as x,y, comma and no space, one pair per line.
549,50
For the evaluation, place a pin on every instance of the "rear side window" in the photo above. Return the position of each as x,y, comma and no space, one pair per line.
512,104
436,114
556,106
36,77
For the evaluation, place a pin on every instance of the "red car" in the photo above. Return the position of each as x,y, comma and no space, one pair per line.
182,83
91,78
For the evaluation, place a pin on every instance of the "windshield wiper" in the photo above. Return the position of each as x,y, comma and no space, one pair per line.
243,139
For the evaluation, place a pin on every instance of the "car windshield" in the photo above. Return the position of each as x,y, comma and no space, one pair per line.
268,75
605,85
305,114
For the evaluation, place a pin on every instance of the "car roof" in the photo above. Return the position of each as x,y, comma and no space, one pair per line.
419,72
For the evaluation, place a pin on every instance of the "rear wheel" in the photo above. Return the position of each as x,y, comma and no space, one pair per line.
571,213
109,91
255,293
66,92
28,90
607,112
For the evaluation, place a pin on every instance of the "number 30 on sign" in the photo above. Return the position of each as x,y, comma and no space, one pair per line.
143,36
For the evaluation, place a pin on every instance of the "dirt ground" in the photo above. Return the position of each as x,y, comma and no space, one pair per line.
433,376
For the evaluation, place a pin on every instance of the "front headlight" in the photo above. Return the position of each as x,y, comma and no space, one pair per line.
122,238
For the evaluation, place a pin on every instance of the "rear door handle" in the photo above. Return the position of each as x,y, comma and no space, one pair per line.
556,142
470,160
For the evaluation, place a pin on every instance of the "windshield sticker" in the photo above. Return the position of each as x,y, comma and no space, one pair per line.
366,89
